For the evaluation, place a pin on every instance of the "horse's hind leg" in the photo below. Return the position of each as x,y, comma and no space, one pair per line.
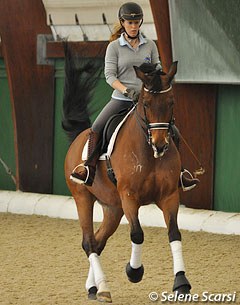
111,220
85,202
170,210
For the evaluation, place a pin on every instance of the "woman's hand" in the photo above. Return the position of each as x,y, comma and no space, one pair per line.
132,94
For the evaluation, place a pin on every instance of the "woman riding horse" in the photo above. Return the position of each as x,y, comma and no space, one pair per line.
130,49
147,166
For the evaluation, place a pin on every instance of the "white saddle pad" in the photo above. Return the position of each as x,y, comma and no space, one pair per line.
111,142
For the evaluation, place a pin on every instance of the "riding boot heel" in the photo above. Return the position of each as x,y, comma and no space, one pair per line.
84,173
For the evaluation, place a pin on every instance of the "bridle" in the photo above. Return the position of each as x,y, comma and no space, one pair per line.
148,127
153,126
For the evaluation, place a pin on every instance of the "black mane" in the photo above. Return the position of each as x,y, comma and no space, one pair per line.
151,69
154,83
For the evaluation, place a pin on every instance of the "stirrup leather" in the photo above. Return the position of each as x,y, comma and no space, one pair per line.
186,188
79,181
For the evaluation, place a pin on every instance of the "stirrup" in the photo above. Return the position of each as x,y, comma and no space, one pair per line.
186,188
75,176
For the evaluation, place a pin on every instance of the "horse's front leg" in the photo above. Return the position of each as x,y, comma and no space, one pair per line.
96,282
170,210
134,268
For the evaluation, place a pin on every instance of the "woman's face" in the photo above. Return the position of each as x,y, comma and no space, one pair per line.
132,27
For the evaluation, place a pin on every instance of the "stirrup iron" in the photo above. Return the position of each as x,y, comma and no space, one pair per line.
79,181
186,188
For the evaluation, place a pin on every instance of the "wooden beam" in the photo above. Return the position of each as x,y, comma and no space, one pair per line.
160,13
31,91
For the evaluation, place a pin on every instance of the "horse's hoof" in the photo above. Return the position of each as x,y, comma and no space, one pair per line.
134,275
104,296
92,293
183,290
181,284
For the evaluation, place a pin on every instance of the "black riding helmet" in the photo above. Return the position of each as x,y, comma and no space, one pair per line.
130,11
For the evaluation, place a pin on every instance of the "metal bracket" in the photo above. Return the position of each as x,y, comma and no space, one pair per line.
42,40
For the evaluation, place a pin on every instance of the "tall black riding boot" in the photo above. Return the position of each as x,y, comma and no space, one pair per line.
186,181
85,172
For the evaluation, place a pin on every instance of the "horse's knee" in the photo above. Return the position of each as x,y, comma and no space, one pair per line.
137,236
173,231
88,246
100,246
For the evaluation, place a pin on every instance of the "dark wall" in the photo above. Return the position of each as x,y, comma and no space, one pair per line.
31,91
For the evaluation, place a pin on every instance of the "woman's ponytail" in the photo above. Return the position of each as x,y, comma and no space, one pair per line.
117,31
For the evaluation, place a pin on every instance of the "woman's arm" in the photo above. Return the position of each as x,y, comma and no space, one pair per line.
119,86
111,68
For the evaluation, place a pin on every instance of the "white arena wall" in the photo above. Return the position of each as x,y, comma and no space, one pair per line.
64,207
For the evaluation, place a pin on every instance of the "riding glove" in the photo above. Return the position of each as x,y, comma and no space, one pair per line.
132,94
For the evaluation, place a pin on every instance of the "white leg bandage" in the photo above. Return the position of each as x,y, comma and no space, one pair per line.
99,276
178,264
90,280
136,256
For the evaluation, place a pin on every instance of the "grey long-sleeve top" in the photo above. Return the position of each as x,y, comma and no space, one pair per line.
120,59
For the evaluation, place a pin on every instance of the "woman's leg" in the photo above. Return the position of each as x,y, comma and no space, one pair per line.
84,173
111,108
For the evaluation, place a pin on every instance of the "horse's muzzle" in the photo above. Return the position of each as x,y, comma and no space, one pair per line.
158,152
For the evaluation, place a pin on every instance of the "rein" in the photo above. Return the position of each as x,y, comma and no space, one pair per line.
201,169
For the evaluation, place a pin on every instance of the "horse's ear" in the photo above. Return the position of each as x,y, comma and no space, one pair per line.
172,71
139,73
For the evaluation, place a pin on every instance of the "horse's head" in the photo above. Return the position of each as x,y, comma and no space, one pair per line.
157,103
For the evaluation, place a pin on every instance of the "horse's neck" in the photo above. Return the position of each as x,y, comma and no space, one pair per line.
136,131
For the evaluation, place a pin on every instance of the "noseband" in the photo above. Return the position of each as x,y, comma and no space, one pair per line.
161,91
155,126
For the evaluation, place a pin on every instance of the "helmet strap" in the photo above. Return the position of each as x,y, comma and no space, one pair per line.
131,37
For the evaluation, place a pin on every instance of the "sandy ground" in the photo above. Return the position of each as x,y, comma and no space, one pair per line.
42,263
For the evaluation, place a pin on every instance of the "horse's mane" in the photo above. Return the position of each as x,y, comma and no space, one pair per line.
151,69
81,76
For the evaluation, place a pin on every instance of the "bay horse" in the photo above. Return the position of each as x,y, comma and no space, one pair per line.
147,166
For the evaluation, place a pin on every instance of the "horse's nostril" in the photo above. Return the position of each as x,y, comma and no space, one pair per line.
160,151
165,148
167,140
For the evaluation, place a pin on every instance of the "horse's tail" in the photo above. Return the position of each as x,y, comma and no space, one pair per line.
81,76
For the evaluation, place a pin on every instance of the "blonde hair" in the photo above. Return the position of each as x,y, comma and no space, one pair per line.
117,31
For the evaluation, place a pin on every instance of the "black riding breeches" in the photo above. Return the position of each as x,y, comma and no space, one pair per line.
112,107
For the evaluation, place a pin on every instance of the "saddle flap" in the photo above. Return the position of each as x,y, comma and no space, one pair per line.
111,126
110,132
